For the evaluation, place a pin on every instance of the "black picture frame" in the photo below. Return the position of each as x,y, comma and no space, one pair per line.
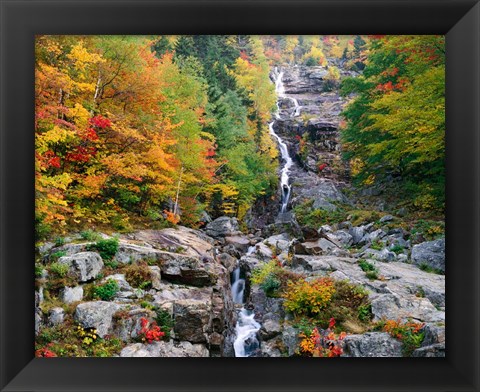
21,20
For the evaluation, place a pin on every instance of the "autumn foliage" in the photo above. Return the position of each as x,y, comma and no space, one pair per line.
150,332
394,135
309,297
123,131
322,343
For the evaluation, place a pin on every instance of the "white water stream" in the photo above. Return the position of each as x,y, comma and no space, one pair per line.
284,178
246,342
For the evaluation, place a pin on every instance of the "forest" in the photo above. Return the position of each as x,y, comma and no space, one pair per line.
159,130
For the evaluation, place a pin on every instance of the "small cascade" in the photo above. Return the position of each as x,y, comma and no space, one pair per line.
246,342
238,287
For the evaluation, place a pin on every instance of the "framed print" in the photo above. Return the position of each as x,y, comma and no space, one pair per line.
187,183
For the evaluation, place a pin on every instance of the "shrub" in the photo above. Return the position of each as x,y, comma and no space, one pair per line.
430,229
44,352
371,272
366,266
107,248
360,217
397,249
324,343
308,298
58,270
270,285
139,275
427,268
410,334
90,235
377,245
261,273
272,278
365,313
38,270
56,255
305,325
42,229
164,321
106,291
59,241
345,303
111,264
67,340
306,215
86,335
150,332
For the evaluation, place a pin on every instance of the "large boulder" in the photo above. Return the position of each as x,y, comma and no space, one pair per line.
179,239
239,242
381,255
396,307
357,233
290,340
187,270
191,320
433,334
321,246
96,314
127,325
435,350
164,349
372,344
343,237
407,280
174,267
56,316
71,294
84,266
222,227
280,242
229,262
270,328
431,254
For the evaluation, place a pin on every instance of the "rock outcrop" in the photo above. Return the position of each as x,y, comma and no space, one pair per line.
184,280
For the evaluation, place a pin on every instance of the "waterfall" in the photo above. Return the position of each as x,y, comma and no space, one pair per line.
246,342
284,177
238,287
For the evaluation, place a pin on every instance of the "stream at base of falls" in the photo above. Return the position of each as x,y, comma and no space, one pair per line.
246,343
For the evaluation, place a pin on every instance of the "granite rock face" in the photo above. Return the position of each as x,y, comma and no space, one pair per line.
222,227
84,265
431,254
372,344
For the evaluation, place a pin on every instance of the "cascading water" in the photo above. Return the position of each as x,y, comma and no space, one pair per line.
246,342
284,178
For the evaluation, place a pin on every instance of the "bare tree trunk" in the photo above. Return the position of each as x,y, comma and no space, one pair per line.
97,90
175,207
